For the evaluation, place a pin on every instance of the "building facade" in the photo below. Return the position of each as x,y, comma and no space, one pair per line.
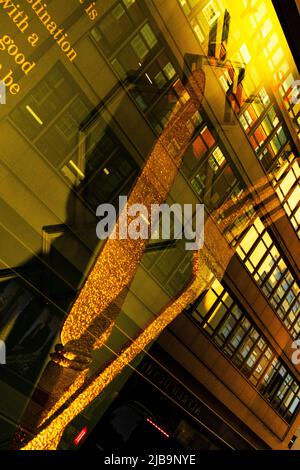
79,134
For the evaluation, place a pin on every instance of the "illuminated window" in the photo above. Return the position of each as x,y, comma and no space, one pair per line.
226,80
160,79
149,36
264,96
139,47
140,60
260,135
169,71
277,56
266,28
261,11
272,42
273,117
217,159
248,118
288,190
185,6
118,69
199,148
245,54
267,126
211,12
114,28
278,140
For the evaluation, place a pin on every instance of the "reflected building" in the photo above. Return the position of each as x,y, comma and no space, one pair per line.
80,134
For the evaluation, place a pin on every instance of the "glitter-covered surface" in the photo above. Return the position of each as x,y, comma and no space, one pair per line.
49,438
93,314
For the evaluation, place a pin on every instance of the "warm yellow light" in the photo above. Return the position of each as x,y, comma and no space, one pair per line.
78,171
34,115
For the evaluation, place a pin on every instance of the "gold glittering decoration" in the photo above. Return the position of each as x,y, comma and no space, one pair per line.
94,312
49,438
79,381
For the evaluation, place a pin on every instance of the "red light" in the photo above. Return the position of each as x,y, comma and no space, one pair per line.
80,436
157,427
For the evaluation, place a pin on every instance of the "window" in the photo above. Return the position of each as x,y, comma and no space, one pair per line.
169,71
207,137
139,47
118,69
248,118
141,44
202,143
115,27
149,36
288,191
266,27
211,12
217,159
245,54
52,123
195,18
226,81
110,169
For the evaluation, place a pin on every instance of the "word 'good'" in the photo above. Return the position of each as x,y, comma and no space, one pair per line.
7,44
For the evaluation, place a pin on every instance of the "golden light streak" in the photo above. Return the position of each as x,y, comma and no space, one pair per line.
78,171
34,115
79,381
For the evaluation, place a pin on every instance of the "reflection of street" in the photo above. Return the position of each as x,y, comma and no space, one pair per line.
27,327
29,347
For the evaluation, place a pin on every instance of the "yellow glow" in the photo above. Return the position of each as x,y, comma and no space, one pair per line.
34,115
73,165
